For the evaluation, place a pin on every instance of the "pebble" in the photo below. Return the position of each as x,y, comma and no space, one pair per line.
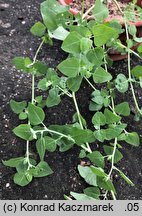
4,5
7,185
4,25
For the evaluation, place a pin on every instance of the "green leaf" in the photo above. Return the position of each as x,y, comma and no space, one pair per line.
109,151
100,11
22,166
74,83
88,175
13,162
94,107
98,171
42,169
112,133
53,98
133,139
49,10
83,31
75,119
124,177
44,84
92,192
24,131
72,43
106,184
50,144
22,63
38,29
111,117
98,120
121,83
40,146
70,67
96,56
139,49
101,76
82,136
98,99
100,135
100,38
38,99
17,107
137,71
21,179
23,116
123,109
81,196
40,68
82,153
65,144
132,30
60,33
96,158
35,114
85,44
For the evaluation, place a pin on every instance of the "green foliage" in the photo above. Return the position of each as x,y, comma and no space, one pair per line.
101,76
13,162
73,83
87,44
97,159
123,109
53,98
35,114
100,11
92,192
24,131
137,71
79,196
88,175
38,29
17,107
95,56
42,169
49,11
98,120
71,43
121,83
133,139
22,63
70,67
100,38
109,151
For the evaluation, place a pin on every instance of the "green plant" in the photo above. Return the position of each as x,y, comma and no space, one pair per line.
88,60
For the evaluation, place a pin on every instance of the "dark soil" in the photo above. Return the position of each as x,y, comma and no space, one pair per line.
16,18
113,9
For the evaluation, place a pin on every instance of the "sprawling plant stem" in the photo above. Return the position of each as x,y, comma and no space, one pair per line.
32,101
129,51
90,83
115,141
88,149
87,12
129,71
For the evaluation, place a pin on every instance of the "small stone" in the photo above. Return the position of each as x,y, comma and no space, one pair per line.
23,22
7,185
